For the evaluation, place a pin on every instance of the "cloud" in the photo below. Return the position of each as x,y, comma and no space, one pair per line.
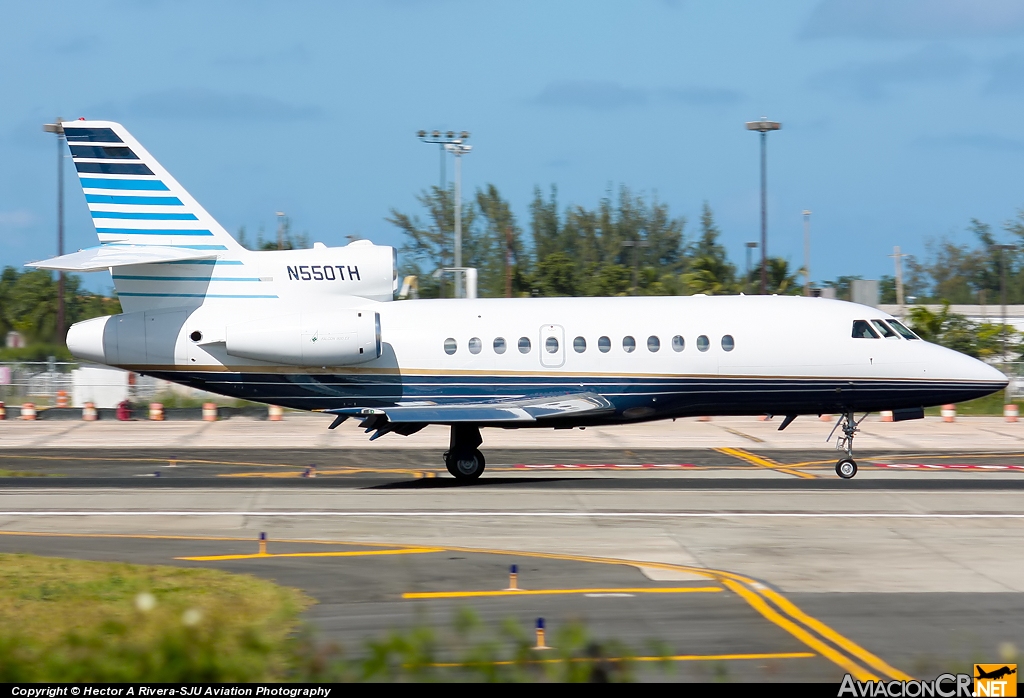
1007,75
974,141
915,19
16,220
590,94
702,96
203,104
877,79
602,95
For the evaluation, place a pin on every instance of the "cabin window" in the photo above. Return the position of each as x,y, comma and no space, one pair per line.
628,344
499,345
653,343
902,329
728,343
604,345
862,330
702,343
475,345
450,346
884,329
579,344
524,345
678,343
551,345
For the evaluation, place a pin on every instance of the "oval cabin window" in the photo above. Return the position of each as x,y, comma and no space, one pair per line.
653,343
450,346
604,345
628,344
678,343
524,345
728,343
579,345
702,343
499,345
551,345
475,345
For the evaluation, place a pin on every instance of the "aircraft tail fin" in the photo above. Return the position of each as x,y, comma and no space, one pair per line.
132,198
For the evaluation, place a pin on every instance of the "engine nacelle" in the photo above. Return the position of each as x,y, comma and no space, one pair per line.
336,338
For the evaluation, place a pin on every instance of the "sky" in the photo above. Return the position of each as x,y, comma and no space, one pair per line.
897,115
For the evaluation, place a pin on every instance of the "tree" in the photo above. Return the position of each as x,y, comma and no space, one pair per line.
500,249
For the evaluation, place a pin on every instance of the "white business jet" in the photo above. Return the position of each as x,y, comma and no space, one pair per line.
318,329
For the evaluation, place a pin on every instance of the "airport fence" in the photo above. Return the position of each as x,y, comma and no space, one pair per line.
40,382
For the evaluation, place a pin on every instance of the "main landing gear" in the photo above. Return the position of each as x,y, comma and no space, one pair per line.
463,459
846,467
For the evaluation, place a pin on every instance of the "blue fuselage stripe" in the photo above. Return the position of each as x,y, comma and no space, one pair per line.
131,215
192,295
140,184
137,200
182,278
152,231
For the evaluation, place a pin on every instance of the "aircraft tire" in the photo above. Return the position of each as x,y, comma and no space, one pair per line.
466,468
846,468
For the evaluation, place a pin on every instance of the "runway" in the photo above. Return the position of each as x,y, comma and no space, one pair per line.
753,563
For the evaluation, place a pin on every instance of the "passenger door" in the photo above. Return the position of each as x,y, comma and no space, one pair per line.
552,346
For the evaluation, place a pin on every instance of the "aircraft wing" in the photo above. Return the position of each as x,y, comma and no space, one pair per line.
525,410
106,256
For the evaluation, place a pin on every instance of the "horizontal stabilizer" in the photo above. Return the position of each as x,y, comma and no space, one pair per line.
106,256
525,410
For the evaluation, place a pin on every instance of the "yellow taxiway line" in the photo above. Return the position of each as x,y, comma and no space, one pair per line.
340,553
544,592
763,462
670,658
770,604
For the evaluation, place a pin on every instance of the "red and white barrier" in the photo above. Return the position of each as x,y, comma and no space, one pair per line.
887,415
949,413
28,412
156,412
209,412
275,413
1011,412
3,411
62,398
89,412
825,418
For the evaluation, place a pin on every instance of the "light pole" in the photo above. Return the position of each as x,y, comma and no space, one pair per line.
458,149
280,230
751,246
443,139
807,252
898,258
764,126
58,128
1002,292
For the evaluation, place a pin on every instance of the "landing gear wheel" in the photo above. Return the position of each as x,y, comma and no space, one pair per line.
465,467
846,468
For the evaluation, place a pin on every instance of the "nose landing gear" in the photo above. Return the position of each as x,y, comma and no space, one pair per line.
846,467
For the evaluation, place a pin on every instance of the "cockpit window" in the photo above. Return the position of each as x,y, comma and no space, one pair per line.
862,330
901,328
884,329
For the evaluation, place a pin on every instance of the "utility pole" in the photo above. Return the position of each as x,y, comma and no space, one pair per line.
807,252
58,128
508,261
898,257
764,126
635,244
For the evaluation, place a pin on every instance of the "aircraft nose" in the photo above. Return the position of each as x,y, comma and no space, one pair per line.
970,369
